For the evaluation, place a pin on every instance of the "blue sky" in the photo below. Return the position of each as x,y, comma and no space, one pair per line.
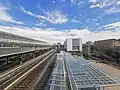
55,20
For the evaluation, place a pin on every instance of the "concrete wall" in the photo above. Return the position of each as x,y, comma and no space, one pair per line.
80,44
116,43
107,43
87,48
9,50
69,44
73,44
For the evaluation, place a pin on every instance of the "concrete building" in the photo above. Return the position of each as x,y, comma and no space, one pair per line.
107,43
88,47
73,44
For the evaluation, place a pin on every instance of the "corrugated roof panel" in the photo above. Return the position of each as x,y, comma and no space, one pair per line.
85,76
57,80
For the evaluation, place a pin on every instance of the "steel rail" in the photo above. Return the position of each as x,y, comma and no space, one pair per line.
28,76
10,76
25,64
43,72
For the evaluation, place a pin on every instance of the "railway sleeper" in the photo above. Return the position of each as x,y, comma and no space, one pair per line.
40,86
42,83
28,81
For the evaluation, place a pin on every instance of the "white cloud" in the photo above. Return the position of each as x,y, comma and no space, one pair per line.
110,6
51,35
72,0
40,24
97,23
103,3
113,9
18,22
75,21
93,1
78,21
95,6
113,26
77,2
53,1
118,2
55,16
5,16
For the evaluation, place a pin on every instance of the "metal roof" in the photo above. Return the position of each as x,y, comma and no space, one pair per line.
57,80
9,37
84,76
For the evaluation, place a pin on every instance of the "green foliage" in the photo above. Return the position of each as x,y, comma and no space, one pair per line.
86,56
109,51
113,53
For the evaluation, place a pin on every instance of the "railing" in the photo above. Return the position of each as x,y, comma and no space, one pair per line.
10,50
20,41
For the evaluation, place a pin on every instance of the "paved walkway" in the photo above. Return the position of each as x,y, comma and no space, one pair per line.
111,71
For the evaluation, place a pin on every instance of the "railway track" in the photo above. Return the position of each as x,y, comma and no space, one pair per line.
25,76
42,82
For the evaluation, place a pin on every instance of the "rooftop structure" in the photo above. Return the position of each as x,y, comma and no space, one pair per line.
84,76
57,80
12,38
11,43
88,47
73,44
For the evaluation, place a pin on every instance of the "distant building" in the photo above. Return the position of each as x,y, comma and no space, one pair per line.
88,47
89,43
60,47
73,44
58,43
107,43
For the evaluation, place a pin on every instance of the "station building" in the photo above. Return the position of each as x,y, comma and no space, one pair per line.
73,44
